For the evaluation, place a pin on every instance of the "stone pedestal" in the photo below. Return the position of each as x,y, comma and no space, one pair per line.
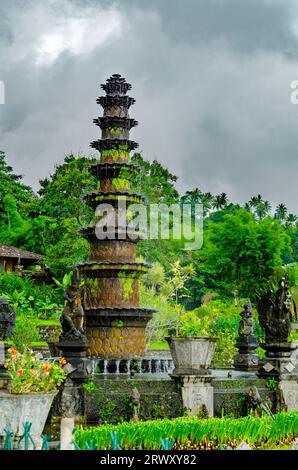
281,362
70,403
246,358
74,351
197,393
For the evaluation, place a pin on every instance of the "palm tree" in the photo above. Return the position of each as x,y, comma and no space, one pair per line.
220,201
281,212
207,201
255,200
267,207
291,219
262,209
192,197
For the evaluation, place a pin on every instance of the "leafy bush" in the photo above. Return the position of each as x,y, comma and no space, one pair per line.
165,319
218,319
10,282
194,433
24,333
41,301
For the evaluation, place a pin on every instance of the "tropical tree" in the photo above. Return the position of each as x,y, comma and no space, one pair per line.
11,184
255,201
281,212
291,219
220,201
240,253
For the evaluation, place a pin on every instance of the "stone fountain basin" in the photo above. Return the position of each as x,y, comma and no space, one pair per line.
192,353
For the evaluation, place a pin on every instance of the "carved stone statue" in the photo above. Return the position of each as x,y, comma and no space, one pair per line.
72,318
275,315
246,342
246,325
7,318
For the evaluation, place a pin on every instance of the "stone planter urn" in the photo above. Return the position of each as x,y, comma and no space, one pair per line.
16,409
192,354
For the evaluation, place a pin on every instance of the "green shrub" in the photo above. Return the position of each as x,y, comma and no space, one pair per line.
24,333
191,432
37,301
218,319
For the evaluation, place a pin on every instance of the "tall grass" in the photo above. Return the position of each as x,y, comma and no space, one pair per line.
193,431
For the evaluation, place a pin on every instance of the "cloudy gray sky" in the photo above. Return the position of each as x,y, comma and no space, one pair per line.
211,79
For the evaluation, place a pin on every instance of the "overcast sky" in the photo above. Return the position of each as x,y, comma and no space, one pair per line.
211,79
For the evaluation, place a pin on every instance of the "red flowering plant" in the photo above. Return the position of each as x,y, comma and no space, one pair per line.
30,375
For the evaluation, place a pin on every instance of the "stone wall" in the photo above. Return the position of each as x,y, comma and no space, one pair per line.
112,401
231,396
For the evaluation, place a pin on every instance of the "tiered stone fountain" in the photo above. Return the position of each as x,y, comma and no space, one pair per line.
115,323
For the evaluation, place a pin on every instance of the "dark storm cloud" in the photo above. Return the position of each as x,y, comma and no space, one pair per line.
244,25
211,79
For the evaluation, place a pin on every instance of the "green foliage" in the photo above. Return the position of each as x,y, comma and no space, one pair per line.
243,252
272,384
61,193
90,387
30,300
175,287
49,224
218,319
155,277
191,432
25,333
67,250
106,409
11,184
10,282
156,183
164,320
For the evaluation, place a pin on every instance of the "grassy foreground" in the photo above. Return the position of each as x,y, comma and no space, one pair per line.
194,433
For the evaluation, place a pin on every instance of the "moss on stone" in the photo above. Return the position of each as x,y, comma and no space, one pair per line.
116,153
127,285
114,131
120,184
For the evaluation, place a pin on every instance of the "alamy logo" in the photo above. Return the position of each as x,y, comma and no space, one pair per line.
294,94
153,222
2,92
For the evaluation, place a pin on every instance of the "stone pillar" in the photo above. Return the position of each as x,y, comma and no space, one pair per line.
281,363
197,394
246,358
289,389
66,429
74,351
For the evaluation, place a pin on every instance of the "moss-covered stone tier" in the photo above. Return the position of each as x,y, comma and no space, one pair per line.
115,323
